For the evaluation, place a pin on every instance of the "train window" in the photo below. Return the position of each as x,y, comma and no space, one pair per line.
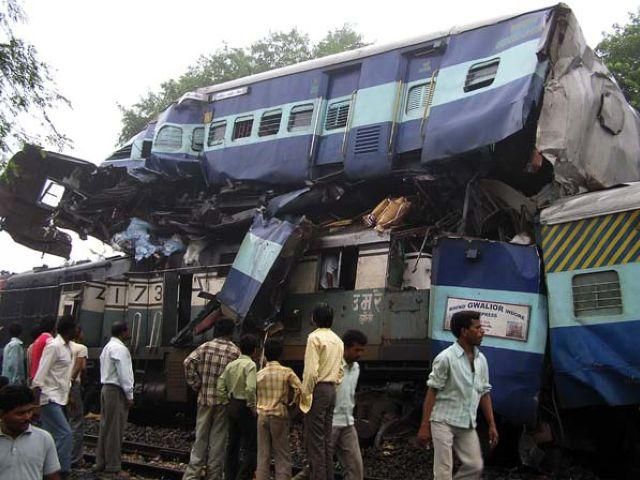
242,128
596,293
197,139
169,138
337,115
300,117
338,269
418,98
481,75
270,123
216,133
52,193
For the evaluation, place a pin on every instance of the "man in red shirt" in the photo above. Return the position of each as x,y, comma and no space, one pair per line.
47,327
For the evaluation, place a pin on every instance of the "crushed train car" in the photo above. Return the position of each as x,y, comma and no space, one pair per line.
420,169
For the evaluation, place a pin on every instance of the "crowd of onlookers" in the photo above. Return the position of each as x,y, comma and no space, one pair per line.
42,408
246,400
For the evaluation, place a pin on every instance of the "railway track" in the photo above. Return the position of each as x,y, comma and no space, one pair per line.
153,468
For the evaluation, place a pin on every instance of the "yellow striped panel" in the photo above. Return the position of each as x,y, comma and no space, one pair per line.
595,242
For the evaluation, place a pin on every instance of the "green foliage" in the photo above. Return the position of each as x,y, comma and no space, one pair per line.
26,87
278,49
620,51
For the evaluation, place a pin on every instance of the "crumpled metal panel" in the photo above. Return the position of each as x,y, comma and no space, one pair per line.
586,128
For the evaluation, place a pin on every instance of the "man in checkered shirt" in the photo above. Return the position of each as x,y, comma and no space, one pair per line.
202,368
277,385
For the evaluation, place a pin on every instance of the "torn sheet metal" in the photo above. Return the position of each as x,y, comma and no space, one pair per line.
28,198
586,128
267,253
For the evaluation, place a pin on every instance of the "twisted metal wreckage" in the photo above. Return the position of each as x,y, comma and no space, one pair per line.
483,166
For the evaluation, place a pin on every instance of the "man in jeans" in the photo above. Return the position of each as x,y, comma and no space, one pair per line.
51,386
344,435
458,383
237,390
322,372
202,369
75,408
116,397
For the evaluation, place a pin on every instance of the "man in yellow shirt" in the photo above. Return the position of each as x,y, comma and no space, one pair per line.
237,389
322,372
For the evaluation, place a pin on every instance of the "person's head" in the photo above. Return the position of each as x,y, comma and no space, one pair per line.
466,327
323,315
273,349
120,330
67,327
79,335
48,324
354,343
35,332
248,344
224,327
15,329
16,408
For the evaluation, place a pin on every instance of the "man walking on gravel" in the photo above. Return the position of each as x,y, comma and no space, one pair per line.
458,383
116,397
202,369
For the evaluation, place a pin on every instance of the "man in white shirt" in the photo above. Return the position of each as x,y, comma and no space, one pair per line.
26,452
344,436
116,376
75,409
51,386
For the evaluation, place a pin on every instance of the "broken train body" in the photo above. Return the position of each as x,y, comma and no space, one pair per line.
470,133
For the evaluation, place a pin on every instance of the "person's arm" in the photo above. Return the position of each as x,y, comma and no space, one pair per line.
486,407
250,386
79,367
311,365
222,393
124,370
21,372
296,385
191,374
424,433
51,465
48,357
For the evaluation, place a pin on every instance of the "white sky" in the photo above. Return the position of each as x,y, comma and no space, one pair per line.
108,53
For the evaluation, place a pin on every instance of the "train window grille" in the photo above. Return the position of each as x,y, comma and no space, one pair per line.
216,133
481,75
337,115
596,293
169,138
270,123
418,98
197,139
242,128
300,117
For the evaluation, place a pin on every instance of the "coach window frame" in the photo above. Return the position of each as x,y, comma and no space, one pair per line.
166,146
590,294
297,112
242,119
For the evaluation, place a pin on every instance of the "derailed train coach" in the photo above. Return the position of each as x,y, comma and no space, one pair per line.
247,199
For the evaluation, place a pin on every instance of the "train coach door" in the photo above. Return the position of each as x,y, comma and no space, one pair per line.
503,282
334,126
421,67
91,313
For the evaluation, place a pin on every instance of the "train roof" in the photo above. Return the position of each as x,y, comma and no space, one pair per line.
621,198
352,55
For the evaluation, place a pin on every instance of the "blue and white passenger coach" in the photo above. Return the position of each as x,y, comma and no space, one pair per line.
363,113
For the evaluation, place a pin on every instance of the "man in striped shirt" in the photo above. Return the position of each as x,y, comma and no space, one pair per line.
322,372
458,383
276,386
202,369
